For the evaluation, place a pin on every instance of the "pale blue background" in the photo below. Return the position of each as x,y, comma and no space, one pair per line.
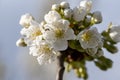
17,64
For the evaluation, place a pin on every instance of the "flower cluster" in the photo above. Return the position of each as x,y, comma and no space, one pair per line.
70,31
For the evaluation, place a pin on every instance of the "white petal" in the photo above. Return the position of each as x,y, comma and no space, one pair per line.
100,53
23,31
43,59
78,14
92,51
115,36
60,45
25,20
64,5
52,16
63,24
69,34
49,36
89,38
115,33
86,4
33,51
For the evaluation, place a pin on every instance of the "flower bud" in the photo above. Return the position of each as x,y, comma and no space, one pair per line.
115,33
99,53
25,20
78,14
68,13
113,49
55,7
64,5
88,19
20,43
86,4
97,17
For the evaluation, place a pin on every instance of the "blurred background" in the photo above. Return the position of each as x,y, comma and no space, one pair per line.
17,64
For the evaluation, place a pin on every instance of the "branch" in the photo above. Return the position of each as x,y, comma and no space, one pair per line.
61,68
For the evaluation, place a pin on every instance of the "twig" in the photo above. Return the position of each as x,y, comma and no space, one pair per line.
61,67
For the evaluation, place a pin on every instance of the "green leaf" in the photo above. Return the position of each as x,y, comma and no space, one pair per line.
112,49
74,44
100,65
103,63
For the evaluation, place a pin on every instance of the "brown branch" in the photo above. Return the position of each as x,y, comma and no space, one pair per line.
61,68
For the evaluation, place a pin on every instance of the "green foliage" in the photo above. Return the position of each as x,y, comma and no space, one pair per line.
103,63
74,44
109,44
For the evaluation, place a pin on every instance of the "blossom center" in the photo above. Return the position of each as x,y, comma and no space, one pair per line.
36,33
86,36
59,33
45,49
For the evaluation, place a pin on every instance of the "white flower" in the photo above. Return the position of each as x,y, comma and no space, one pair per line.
58,33
52,16
78,14
43,51
64,5
97,17
31,32
25,20
115,33
86,4
89,38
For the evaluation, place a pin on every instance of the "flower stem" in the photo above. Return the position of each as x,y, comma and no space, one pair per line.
61,68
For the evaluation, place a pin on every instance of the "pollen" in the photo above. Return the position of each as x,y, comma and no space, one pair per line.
36,33
45,49
59,33
86,36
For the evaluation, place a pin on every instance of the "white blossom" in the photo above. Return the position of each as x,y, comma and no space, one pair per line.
89,38
115,33
31,32
43,51
52,16
78,14
58,33
25,20
46,58
86,4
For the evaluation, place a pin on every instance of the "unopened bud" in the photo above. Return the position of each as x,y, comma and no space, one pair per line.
97,17
115,33
64,5
55,7
21,43
25,20
86,4
99,53
68,13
